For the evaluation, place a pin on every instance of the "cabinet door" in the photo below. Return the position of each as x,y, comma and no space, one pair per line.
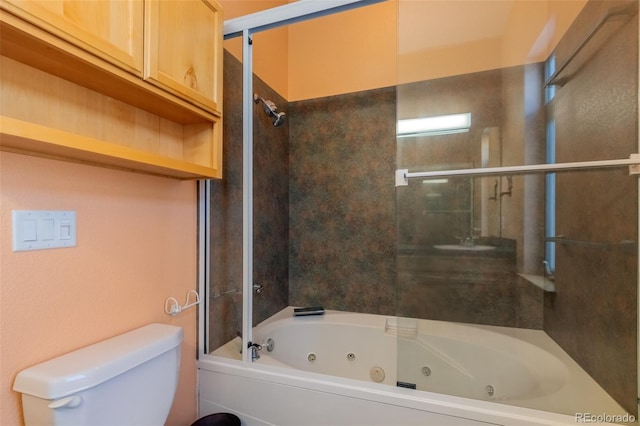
109,29
183,50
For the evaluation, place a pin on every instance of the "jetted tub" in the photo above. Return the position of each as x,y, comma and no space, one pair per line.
518,367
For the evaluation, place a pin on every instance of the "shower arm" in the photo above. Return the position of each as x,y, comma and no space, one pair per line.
269,107
271,110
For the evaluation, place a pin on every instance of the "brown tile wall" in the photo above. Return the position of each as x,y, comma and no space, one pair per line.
470,287
325,224
593,314
342,202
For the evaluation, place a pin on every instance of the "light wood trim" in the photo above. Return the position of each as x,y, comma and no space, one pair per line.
33,139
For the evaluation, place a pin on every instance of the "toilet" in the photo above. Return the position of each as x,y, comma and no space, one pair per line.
129,379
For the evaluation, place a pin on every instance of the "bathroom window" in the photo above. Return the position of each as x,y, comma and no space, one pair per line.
549,69
550,179
550,200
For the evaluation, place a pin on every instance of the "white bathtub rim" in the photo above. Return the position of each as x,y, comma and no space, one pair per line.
571,381
556,371
378,321
425,401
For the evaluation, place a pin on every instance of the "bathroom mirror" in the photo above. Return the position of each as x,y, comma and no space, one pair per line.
455,209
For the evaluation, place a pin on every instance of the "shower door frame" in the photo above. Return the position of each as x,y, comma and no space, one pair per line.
246,26
284,15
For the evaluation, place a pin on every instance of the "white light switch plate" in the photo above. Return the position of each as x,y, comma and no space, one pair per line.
43,229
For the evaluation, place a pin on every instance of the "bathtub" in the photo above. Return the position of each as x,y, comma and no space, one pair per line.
362,369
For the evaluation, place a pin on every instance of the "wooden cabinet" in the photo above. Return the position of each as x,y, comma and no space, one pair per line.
111,30
81,82
183,49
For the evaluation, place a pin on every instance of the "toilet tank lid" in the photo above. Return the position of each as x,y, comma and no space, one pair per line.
97,363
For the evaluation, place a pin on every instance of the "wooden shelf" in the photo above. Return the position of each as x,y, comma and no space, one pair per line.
38,49
32,139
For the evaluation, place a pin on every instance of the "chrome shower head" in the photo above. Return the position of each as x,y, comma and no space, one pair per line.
271,110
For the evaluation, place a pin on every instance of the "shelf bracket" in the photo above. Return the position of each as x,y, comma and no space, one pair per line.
634,169
401,177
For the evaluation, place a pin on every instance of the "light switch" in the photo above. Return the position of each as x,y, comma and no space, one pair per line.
43,229
29,230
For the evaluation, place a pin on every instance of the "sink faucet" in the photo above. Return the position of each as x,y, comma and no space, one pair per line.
466,241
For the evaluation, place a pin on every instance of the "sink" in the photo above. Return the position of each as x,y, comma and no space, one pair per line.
464,248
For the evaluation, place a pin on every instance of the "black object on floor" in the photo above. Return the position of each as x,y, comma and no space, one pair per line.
218,419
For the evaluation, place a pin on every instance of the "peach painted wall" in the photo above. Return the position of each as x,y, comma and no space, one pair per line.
343,53
375,46
325,56
136,245
488,35
270,48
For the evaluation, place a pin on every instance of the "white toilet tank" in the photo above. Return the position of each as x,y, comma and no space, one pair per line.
129,379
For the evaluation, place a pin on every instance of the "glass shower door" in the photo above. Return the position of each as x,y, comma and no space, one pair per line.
517,229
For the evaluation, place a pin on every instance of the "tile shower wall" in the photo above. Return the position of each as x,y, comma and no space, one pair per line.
343,227
593,314
342,202
270,213
325,206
